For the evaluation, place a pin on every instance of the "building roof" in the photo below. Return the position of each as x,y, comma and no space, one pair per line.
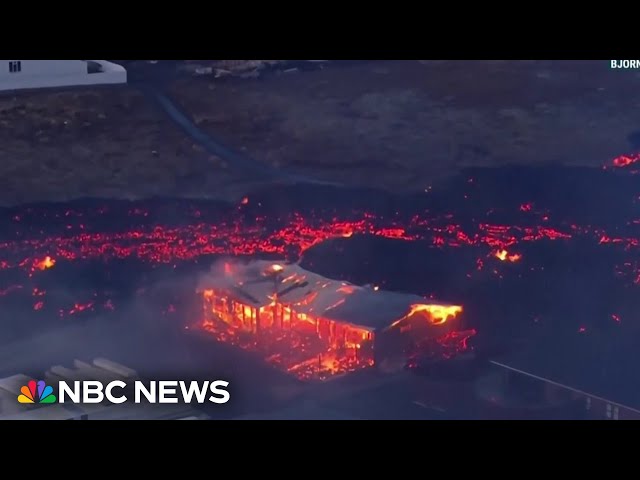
256,282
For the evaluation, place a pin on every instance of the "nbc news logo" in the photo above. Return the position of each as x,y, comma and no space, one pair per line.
93,392
36,392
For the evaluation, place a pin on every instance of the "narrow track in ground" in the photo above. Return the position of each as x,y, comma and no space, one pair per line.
253,169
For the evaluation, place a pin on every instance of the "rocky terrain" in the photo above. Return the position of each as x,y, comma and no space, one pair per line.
390,124
405,124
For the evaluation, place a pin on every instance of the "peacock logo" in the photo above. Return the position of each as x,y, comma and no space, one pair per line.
36,392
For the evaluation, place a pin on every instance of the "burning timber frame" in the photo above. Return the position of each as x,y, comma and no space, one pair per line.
314,327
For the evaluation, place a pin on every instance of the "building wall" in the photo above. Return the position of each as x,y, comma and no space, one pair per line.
39,68
27,74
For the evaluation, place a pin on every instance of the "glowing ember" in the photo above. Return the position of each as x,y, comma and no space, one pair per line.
160,244
77,308
445,347
46,262
625,160
504,256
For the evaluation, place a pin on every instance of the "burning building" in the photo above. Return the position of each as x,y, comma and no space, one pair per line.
314,327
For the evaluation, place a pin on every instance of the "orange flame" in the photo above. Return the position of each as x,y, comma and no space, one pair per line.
45,263
503,256
438,314
300,343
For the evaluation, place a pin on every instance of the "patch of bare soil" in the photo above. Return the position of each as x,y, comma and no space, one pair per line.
110,142
406,124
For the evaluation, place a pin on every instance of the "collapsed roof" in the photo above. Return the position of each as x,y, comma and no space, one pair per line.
260,282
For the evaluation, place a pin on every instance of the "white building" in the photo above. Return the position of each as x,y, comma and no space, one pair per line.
28,74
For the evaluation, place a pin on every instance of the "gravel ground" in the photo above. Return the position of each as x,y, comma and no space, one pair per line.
405,124
389,124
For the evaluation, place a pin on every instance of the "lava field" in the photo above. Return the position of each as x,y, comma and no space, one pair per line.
521,248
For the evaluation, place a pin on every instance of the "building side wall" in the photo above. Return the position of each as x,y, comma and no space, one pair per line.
40,68
54,74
